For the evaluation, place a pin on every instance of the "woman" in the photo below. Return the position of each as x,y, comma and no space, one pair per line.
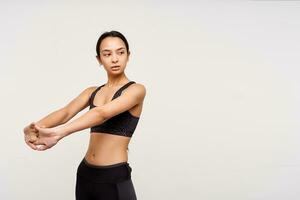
114,111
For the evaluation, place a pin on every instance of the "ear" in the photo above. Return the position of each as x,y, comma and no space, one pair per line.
99,59
128,55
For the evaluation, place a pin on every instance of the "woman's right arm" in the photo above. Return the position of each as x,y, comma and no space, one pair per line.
66,113
59,116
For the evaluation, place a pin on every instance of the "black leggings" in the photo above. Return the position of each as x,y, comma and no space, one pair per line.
110,182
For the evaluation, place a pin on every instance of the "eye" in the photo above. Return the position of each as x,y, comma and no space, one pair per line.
106,54
122,52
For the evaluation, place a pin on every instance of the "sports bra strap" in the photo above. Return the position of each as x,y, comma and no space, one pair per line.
119,91
94,93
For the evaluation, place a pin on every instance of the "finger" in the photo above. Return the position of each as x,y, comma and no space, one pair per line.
34,130
41,147
31,145
33,133
37,127
33,127
39,142
32,138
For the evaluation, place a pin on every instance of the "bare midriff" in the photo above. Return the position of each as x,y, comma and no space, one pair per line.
107,149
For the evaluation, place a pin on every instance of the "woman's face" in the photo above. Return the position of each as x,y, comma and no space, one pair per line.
113,53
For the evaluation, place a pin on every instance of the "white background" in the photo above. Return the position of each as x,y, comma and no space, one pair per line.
221,115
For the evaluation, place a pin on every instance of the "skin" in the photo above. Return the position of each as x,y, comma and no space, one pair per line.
104,148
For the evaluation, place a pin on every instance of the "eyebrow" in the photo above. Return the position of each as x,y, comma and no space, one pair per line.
117,49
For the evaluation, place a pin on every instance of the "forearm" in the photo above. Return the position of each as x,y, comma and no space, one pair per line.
55,118
89,119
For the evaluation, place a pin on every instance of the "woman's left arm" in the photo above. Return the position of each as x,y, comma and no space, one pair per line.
97,115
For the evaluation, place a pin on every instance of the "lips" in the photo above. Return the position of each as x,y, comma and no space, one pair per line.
115,67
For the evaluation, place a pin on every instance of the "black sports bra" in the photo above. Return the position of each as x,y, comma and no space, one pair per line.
122,124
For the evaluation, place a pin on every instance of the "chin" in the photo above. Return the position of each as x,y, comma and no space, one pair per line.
116,72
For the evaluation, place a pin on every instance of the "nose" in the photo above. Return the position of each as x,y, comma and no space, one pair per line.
114,58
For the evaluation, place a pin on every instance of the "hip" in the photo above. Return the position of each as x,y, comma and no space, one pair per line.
112,173
109,182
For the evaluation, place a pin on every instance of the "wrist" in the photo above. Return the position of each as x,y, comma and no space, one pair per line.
60,132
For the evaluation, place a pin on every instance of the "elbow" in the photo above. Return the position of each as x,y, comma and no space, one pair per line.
101,113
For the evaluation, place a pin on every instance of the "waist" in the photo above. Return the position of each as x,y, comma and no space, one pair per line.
105,158
113,173
107,149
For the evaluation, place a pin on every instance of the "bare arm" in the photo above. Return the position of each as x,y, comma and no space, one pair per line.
129,98
64,114
57,117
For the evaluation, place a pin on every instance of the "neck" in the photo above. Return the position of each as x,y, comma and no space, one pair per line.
116,80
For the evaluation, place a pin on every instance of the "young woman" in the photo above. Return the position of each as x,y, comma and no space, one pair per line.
114,111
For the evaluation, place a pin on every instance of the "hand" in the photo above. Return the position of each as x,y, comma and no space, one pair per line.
30,135
47,138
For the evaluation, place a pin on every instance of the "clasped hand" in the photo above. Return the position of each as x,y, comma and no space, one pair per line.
40,138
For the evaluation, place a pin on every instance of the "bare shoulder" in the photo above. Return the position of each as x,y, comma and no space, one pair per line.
91,89
87,92
139,88
80,102
136,90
